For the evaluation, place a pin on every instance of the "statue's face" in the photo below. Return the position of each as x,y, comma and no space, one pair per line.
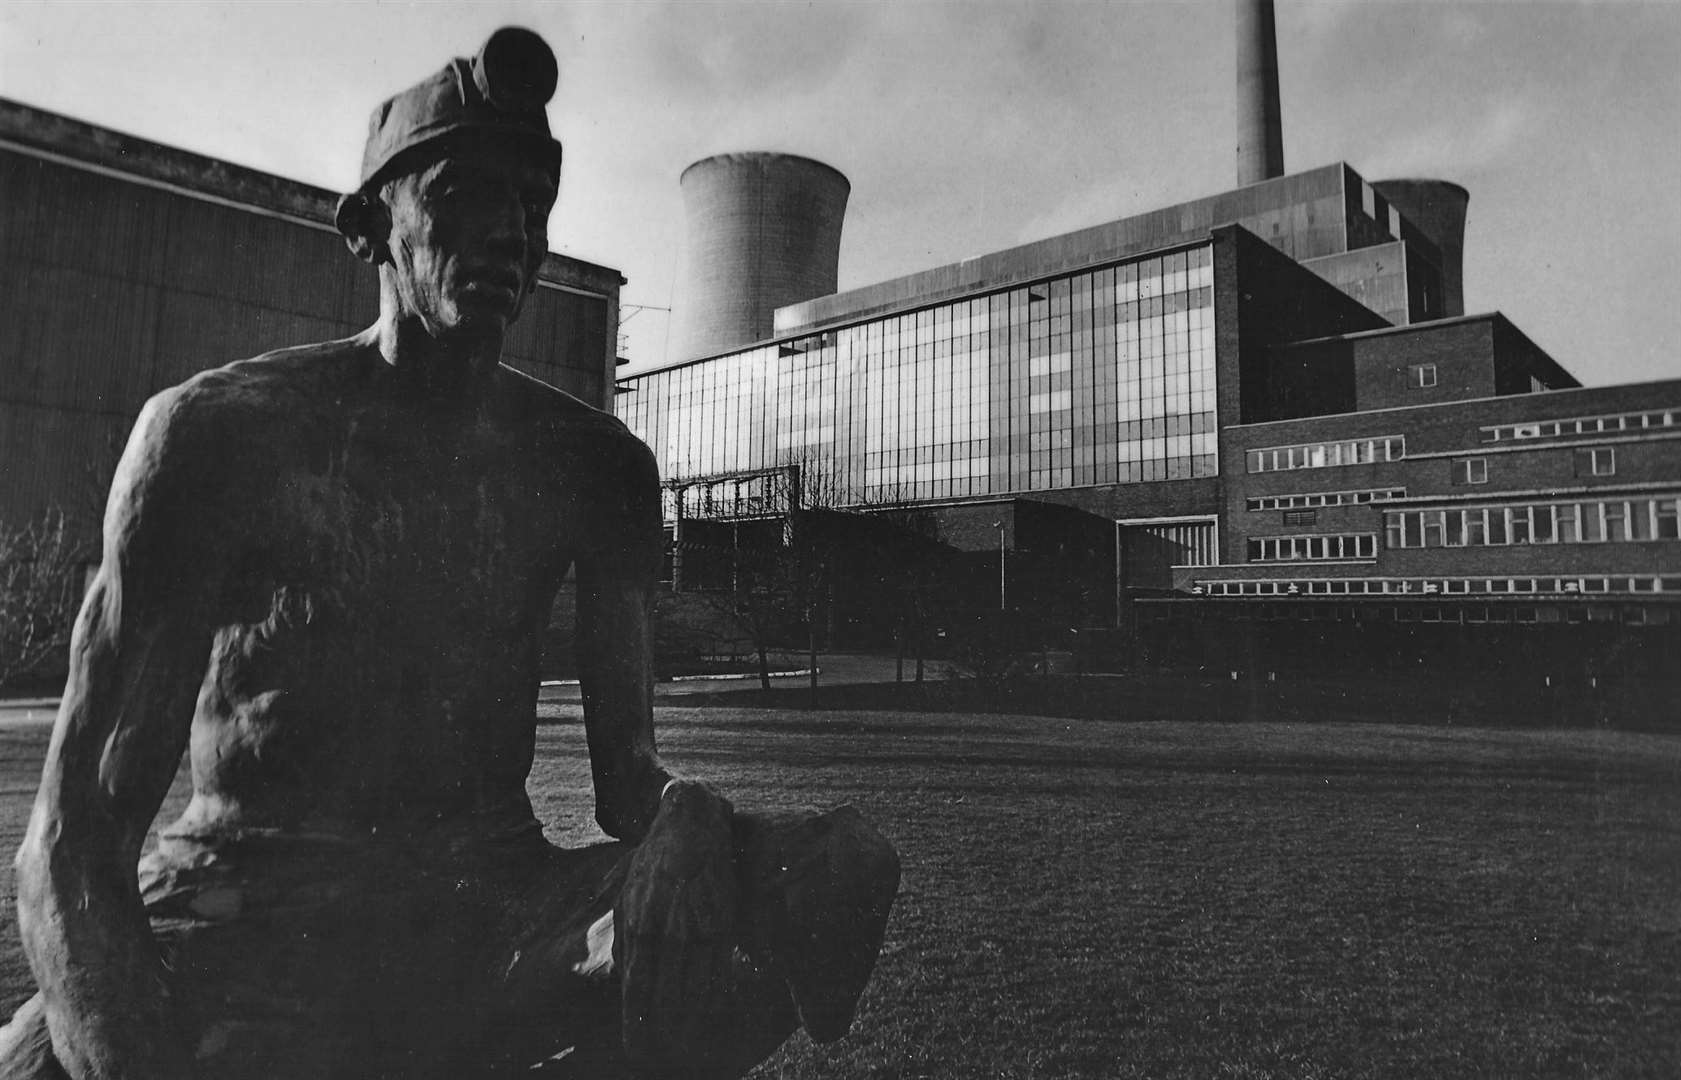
469,228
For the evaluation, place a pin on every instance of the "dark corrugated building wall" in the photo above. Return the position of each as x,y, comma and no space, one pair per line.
126,266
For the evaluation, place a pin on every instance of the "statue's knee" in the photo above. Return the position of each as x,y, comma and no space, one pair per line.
860,848
818,891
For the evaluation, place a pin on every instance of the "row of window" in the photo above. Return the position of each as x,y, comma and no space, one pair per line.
1596,461
1583,425
1593,461
1593,522
1457,586
1322,455
1305,499
1469,613
1319,546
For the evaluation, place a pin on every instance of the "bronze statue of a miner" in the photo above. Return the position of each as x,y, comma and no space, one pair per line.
325,574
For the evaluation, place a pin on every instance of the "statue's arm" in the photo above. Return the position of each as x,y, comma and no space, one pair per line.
618,572
137,658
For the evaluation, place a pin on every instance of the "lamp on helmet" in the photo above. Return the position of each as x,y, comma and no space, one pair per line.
500,91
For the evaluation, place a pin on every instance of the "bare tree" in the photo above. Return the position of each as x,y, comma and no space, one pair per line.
762,596
40,590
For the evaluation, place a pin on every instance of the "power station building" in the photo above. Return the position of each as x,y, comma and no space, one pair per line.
1264,404
127,266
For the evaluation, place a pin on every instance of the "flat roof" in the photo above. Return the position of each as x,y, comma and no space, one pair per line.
1110,241
1660,385
1495,317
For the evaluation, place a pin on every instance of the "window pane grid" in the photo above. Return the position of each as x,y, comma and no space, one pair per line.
1100,377
1313,546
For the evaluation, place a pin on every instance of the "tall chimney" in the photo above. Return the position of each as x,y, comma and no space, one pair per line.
1260,131
764,231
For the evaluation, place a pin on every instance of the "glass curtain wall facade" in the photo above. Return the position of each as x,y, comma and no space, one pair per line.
1100,377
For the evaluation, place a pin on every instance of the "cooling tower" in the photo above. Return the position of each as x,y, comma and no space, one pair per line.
763,231
1260,130
1437,209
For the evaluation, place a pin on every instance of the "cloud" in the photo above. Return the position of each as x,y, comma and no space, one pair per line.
734,53
1462,142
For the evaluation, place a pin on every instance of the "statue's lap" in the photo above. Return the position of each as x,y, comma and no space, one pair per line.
284,952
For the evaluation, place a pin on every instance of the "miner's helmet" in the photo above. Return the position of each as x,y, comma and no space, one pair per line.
502,91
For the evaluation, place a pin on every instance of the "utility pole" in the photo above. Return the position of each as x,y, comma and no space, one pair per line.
999,525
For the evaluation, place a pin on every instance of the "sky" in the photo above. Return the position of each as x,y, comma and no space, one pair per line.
967,127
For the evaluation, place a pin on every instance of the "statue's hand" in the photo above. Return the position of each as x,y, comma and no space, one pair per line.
627,802
141,1042
674,932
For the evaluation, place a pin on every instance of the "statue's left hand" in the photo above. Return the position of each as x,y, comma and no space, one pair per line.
674,929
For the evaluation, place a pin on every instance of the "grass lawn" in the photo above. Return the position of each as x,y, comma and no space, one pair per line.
1180,899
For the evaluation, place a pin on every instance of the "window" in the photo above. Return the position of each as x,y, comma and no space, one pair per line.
1616,521
1668,519
1470,471
1476,528
1598,461
1421,376
1565,518
1435,527
1301,517
1518,520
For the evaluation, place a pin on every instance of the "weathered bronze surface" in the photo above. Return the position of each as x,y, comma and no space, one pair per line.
326,571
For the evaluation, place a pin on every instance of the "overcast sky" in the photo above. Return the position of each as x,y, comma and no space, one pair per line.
969,127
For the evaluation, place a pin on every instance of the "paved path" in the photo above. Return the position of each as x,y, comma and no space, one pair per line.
27,712
834,669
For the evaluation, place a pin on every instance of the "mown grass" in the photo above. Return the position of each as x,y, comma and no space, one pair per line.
1181,899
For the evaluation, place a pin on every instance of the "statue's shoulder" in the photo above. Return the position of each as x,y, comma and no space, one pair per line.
580,439
247,402
555,412
281,379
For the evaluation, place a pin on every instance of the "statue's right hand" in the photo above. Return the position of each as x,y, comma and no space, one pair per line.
92,1047
105,1007
675,929
140,1039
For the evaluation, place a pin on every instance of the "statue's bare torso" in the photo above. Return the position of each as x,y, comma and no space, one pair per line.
373,668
